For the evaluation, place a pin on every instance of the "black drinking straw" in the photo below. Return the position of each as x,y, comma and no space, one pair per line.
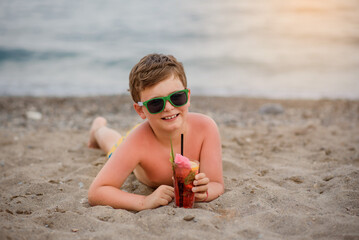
181,185
182,144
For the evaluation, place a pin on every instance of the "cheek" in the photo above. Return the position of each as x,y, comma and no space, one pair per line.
185,108
150,117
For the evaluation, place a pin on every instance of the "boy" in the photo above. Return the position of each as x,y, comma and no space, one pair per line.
158,87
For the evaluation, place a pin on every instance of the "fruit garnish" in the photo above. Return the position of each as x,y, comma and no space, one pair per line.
182,161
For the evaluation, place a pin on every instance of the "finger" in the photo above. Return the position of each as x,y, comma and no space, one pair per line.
169,191
200,176
200,196
200,189
163,201
168,194
167,198
165,188
202,181
172,194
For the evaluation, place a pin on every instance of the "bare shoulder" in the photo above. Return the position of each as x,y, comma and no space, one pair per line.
141,132
202,121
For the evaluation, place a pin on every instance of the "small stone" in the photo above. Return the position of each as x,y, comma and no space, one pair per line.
328,178
171,212
189,218
60,210
238,141
328,152
74,230
33,115
54,181
271,108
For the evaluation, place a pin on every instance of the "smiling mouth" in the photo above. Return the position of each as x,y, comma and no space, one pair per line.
170,117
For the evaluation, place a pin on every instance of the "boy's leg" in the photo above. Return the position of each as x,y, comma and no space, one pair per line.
101,136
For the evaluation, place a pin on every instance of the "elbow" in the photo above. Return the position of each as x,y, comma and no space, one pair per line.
221,190
91,196
218,190
91,199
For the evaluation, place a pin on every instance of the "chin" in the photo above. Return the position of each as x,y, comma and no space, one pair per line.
176,125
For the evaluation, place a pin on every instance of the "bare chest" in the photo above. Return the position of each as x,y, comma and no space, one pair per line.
156,166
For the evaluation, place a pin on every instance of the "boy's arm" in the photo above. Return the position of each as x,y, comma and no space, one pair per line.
105,189
116,198
209,183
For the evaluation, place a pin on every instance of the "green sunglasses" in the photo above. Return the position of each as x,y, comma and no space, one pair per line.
157,105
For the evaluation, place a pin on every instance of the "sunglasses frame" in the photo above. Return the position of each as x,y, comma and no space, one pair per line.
165,99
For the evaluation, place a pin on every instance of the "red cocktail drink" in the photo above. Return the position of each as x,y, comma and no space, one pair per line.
183,183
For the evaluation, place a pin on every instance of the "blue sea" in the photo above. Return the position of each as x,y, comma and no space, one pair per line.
259,48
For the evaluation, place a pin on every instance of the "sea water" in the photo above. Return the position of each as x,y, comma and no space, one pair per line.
260,48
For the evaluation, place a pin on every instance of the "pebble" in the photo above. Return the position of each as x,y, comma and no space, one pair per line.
33,115
328,152
189,218
271,108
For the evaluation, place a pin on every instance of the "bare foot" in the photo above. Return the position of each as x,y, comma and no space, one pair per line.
96,124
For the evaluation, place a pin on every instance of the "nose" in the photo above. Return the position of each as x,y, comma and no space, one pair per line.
168,106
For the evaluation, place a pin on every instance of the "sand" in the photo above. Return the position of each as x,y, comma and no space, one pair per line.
291,171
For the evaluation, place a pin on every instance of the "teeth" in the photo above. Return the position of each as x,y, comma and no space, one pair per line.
168,118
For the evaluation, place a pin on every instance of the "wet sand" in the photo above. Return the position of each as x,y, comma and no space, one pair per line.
291,171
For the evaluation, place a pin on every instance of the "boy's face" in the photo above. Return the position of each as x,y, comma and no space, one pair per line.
171,118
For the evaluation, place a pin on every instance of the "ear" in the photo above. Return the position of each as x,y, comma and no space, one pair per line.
139,110
189,98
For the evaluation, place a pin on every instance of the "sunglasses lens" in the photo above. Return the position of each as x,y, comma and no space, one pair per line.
179,98
155,105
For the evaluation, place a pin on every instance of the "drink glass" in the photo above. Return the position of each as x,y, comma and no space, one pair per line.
183,184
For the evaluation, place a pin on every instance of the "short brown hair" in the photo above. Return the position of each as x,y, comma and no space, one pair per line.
153,69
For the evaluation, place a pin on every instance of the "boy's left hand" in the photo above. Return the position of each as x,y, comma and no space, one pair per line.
200,187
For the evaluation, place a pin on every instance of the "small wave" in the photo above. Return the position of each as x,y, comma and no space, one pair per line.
21,55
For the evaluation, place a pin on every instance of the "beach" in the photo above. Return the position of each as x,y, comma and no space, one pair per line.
291,171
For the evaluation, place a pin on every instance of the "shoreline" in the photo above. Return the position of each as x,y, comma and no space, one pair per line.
291,171
127,94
